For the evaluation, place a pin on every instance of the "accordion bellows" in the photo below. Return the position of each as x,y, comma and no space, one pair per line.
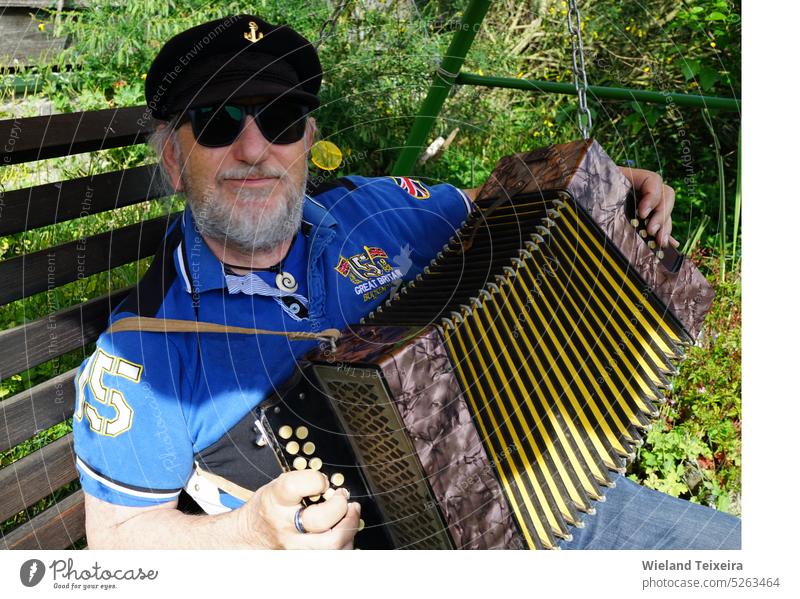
487,404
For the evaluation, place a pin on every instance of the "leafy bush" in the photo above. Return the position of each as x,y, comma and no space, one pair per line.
695,450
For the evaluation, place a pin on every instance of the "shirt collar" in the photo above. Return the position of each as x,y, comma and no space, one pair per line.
201,270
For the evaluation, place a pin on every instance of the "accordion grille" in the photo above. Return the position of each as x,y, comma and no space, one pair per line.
560,349
387,457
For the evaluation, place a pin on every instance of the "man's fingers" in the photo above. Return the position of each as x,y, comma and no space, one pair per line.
656,201
340,536
322,517
664,233
344,532
660,222
291,487
669,198
667,202
648,188
650,194
674,242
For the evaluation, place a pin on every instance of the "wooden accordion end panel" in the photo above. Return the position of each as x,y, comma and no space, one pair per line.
487,404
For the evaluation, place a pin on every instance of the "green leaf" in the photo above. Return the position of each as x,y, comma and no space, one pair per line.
690,68
708,77
716,16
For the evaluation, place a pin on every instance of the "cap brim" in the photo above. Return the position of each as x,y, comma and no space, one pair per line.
223,92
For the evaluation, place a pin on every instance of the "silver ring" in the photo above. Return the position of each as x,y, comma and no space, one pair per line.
298,521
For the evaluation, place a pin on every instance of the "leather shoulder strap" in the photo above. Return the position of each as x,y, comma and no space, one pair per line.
173,325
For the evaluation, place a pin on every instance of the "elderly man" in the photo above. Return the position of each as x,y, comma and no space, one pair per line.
253,249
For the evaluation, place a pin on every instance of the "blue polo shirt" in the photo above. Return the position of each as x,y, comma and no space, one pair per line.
146,403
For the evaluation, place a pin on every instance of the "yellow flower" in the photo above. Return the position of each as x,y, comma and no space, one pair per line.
646,69
480,72
713,44
41,26
144,75
519,75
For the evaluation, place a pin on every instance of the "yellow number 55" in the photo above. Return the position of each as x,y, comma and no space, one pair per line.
122,421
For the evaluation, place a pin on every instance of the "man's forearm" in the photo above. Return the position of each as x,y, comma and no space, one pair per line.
172,529
472,193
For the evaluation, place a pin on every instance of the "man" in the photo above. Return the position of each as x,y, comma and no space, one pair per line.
252,249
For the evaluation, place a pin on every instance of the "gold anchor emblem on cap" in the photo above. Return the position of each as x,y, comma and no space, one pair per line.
252,36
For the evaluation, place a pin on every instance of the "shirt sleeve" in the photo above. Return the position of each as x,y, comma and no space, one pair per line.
132,445
426,216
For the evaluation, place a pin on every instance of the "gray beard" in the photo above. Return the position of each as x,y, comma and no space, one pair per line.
251,224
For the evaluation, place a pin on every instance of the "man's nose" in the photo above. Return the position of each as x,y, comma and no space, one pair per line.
251,146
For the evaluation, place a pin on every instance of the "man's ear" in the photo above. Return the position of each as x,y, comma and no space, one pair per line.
311,132
169,156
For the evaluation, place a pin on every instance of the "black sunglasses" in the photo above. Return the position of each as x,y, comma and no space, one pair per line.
280,122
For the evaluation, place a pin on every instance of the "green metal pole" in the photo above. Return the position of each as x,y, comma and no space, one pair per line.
610,93
443,80
21,85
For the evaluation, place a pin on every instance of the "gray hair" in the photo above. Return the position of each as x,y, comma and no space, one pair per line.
157,141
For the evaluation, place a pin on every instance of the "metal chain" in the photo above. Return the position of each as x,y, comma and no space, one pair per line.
579,68
331,20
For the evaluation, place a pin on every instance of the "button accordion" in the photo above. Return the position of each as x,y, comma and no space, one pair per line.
487,403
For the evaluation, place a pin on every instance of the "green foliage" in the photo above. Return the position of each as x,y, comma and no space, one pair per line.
695,450
113,45
658,46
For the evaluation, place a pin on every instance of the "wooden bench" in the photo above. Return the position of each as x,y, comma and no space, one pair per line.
47,471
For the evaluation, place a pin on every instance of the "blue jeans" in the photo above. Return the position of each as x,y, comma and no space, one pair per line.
635,517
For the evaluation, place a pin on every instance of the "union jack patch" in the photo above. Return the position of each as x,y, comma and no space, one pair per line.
413,187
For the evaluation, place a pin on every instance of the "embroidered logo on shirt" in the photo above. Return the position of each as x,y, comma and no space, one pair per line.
413,187
370,271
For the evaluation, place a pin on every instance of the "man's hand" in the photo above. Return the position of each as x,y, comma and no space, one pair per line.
267,519
656,200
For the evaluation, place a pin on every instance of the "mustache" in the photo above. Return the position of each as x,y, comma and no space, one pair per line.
260,172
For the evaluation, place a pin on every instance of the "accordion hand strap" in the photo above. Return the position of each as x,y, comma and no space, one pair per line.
223,484
172,325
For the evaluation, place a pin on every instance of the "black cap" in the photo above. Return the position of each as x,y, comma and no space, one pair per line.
240,55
